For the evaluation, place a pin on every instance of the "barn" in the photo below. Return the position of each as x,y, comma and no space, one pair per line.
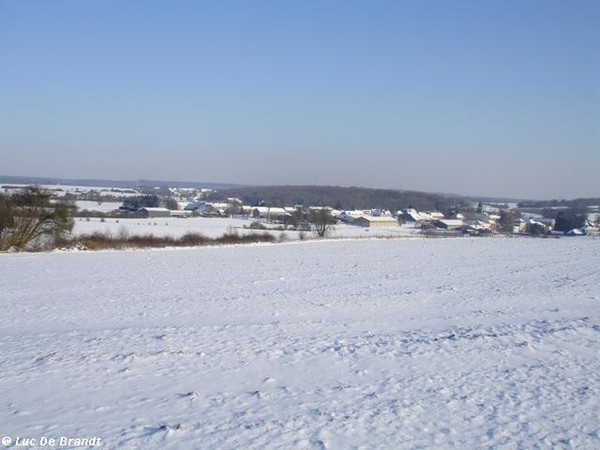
154,212
375,222
448,224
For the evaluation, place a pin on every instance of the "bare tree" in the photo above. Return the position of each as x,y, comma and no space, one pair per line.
321,220
28,216
7,220
234,209
171,203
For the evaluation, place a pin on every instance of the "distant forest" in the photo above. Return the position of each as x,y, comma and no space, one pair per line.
341,198
576,203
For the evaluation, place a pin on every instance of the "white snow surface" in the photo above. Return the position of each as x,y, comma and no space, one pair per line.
104,207
372,344
215,227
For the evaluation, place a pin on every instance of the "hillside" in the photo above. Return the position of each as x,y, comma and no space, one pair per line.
343,198
114,183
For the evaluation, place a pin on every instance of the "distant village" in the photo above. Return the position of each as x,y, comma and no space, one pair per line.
479,220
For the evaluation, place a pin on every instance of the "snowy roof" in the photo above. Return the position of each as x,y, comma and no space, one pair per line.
452,222
271,210
219,205
423,216
150,209
377,218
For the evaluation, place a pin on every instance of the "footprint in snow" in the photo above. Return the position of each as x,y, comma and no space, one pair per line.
190,394
169,428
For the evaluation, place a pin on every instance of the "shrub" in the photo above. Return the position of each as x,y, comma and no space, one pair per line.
256,225
258,237
193,239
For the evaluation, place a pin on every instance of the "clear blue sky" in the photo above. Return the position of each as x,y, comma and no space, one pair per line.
494,98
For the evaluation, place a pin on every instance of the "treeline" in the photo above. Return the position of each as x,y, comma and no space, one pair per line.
576,203
341,198
141,201
95,196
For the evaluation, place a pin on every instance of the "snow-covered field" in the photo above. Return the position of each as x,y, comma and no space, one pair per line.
215,227
373,344
104,207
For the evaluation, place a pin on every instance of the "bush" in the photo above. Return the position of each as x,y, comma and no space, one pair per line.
536,229
256,225
235,238
100,241
193,239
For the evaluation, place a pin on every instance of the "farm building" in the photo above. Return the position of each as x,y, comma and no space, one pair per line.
375,222
448,224
270,213
412,215
154,212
